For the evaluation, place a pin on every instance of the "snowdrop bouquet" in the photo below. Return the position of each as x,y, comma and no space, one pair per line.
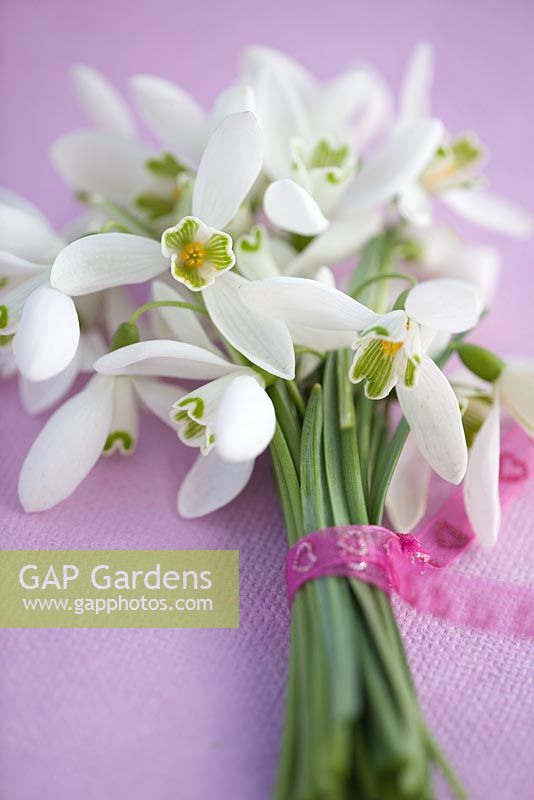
236,220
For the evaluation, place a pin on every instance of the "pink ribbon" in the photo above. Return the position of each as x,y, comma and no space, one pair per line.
413,566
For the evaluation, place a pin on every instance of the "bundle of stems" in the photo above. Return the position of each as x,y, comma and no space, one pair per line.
353,726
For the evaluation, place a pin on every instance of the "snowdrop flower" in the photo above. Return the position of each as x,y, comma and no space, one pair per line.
230,418
43,321
354,219
302,117
481,407
390,350
197,245
451,172
112,162
102,419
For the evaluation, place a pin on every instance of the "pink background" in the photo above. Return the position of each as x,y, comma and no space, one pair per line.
196,714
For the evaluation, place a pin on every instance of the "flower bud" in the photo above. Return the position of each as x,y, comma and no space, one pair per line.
480,361
127,333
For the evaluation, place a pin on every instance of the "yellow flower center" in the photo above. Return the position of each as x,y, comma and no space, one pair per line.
390,348
193,255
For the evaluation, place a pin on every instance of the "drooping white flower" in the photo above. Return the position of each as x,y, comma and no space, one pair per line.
481,406
451,174
297,112
390,350
112,162
230,418
102,419
513,391
354,219
44,321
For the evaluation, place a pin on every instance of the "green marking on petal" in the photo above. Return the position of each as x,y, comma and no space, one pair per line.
4,316
375,367
410,373
219,251
197,404
378,329
3,282
193,430
190,276
122,439
252,242
324,155
175,239
5,340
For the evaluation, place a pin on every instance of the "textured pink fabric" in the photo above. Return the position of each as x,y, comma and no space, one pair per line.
193,715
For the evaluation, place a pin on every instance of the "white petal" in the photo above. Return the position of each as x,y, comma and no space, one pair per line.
395,167
105,260
91,347
181,323
319,339
229,167
490,211
26,235
257,59
68,447
12,266
417,84
254,255
357,96
481,485
516,385
105,163
12,302
265,342
291,208
445,305
433,414
342,239
7,361
118,308
231,101
164,358
448,256
211,484
124,429
39,396
48,334
101,101
9,198
301,301
173,114
282,116
415,206
158,397
245,421
408,491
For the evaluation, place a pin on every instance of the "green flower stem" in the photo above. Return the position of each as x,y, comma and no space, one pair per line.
294,393
289,423
352,475
385,471
164,304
